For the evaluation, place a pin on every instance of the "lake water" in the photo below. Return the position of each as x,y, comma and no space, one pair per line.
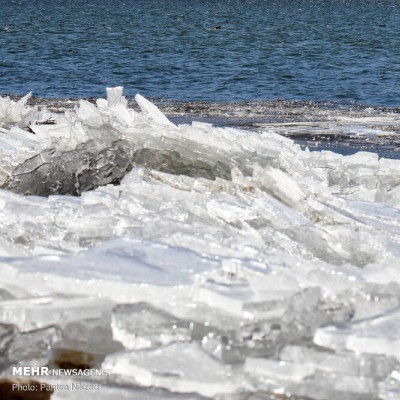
203,50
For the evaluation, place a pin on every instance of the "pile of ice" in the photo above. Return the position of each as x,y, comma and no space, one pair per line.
226,264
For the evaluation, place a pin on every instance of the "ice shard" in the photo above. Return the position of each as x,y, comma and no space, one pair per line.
365,336
183,368
139,326
39,312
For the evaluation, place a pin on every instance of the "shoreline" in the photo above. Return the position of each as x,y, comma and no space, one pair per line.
341,128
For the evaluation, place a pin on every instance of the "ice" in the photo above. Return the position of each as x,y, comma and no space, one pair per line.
372,301
90,165
7,334
281,370
345,363
11,111
315,373
139,326
5,295
89,114
152,111
194,258
85,343
173,162
337,386
183,368
28,348
390,388
34,313
378,335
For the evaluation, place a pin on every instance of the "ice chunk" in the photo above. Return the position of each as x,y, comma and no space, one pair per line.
117,269
11,111
140,325
9,249
89,114
336,386
372,300
7,335
378,335
223,348
308,380
150,110
85,343
307,310
377,366
31,348
90,165
389,389
39,312
179,367
114,96
345,362
174,162
278,370
5,295
280,185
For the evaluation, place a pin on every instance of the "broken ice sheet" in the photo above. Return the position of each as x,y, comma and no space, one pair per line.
5,294
336,386
7,335
85,343
13,111
306,379
278,370
344,362
29,348
371,300
239,257
291,320
87,166
34,313
113,269
179,367
380,335
389,389
140,325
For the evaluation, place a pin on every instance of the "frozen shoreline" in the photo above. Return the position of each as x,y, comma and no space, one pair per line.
341,128
269,268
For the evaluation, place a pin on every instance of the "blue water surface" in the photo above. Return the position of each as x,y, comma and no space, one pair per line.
203,49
